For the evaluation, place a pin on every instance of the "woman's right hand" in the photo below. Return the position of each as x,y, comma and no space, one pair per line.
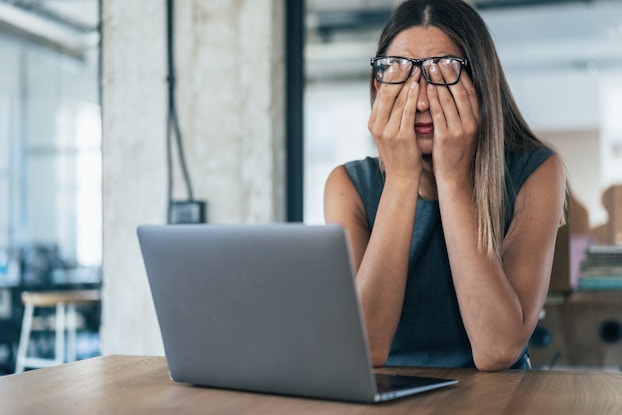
392,124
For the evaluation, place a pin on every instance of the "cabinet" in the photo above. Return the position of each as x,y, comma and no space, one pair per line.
583,329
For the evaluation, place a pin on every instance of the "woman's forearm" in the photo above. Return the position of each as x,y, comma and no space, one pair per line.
381,278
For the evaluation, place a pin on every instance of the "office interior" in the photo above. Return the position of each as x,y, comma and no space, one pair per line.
270,96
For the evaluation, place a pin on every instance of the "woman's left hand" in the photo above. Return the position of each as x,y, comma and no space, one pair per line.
455,114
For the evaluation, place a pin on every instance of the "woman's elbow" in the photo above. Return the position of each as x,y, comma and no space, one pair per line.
495,361
378,358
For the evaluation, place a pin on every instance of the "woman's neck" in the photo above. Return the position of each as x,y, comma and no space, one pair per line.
427,185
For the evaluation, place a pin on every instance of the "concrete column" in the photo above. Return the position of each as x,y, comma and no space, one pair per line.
230,100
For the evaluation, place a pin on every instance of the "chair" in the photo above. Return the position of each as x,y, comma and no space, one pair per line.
65,320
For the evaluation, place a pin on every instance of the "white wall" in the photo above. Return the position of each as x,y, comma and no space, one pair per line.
230,71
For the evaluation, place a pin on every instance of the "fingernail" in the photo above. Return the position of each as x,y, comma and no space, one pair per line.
413,84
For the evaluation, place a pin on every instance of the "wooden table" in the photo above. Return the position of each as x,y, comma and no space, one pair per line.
140,385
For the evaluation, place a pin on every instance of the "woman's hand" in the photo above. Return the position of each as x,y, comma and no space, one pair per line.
392,124
455,114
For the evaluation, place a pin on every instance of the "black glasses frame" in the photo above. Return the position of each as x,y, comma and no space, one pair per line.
419,62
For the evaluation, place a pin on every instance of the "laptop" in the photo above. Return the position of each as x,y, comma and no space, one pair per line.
265,308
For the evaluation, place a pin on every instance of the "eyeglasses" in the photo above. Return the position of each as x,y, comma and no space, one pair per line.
396,69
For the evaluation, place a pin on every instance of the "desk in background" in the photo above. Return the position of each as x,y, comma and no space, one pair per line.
139,384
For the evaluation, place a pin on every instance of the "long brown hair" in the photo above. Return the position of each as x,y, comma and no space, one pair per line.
501,126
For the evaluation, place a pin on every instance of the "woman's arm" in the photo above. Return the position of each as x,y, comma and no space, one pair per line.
500,299
382,255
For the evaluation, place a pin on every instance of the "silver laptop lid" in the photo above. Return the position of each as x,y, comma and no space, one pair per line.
268,308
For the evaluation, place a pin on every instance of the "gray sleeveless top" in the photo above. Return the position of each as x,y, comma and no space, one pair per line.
430,331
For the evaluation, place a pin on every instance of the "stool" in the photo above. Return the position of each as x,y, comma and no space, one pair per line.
65,319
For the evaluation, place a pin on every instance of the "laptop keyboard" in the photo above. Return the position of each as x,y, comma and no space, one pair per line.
387,383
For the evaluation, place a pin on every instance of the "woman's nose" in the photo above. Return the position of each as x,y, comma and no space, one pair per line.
423,104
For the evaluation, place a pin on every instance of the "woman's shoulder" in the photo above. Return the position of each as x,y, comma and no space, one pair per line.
366,165
365,173
361,172
520,164
354,186
540,152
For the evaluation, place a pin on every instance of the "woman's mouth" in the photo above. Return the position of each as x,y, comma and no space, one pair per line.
424,128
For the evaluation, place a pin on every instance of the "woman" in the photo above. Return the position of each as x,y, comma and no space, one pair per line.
453,227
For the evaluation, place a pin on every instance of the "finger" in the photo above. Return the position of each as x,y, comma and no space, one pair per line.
387,92
461,95
398,71
403,101
383,104
467,83
445,97
410,109
459,107
450,69
436,110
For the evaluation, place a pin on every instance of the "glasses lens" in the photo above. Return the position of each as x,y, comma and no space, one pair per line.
448,74
392,70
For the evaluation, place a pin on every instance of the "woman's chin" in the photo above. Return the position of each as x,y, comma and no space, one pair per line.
425,146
